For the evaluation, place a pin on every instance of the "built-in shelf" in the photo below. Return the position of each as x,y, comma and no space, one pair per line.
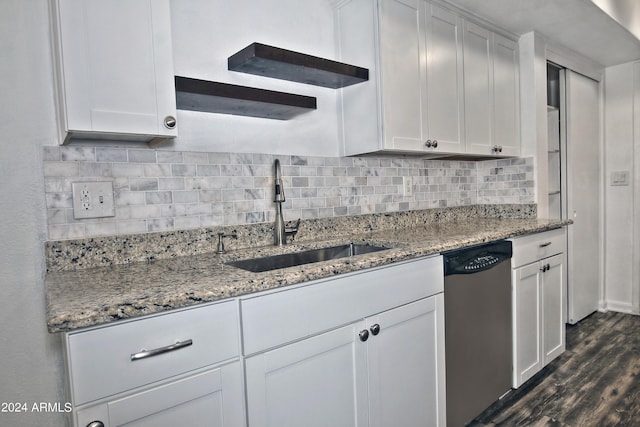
225,98
269,61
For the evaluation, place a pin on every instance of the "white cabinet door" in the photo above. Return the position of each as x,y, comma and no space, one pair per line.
538,316
406,365
210,399
478,88
527,323
492,93
115,68
506,94
317,382
444,95
402,73
553,307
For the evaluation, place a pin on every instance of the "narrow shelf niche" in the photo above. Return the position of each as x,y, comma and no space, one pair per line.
270,61
224,98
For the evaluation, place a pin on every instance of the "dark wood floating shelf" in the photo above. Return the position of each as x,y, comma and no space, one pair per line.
298,67
224,98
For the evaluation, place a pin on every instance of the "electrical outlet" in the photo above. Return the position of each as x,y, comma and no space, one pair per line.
407,186
93,199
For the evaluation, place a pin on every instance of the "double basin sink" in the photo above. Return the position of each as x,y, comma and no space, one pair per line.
293,259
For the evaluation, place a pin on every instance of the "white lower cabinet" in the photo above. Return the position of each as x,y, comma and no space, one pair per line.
386,369
359,349
177,368
539,302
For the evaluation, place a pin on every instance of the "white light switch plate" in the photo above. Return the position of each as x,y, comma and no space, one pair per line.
407,186
620,177
93,199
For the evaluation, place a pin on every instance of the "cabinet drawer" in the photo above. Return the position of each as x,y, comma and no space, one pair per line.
277,318
534,247
100,360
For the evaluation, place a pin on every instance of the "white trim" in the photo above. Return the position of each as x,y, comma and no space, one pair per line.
635,226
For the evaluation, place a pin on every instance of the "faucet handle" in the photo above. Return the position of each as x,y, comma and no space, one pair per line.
291,231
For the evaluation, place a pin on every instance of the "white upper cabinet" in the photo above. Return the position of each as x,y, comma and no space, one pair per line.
492,93
114,69
438,84
412,101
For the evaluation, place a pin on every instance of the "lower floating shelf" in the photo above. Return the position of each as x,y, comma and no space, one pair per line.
225,98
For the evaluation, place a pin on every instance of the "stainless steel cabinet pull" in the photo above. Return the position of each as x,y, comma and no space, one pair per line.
544,245
150,353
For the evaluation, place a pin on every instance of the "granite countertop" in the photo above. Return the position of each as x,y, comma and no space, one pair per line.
99,295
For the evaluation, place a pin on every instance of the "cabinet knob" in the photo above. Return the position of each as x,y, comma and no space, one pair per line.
428,143
435,143
95,424
364,335
499,148
375,329
170,122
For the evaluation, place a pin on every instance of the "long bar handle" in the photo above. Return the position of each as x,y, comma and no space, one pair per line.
544,245
156,351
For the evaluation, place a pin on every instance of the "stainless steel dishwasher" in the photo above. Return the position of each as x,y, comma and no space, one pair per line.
478,341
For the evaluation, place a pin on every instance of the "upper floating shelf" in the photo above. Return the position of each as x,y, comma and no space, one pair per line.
225,98
269,61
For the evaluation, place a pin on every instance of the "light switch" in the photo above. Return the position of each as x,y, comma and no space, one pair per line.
620,178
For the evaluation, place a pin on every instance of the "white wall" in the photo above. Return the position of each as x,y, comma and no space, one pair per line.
31,370
619,200
206,32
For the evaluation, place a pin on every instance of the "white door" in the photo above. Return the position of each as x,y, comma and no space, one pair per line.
583,195
553,306
406,365
527,332
317,382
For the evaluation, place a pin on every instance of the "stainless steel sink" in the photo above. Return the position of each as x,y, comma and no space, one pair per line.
275,262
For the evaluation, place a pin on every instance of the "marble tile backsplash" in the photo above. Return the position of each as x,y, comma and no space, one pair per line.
170,190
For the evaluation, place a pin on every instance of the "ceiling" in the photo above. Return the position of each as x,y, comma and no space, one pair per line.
579,25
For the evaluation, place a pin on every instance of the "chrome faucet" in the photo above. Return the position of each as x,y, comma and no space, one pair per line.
280,232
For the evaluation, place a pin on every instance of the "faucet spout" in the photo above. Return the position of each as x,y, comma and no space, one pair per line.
280,231
279,188
279,236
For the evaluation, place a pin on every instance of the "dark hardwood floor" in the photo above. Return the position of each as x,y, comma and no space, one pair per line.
596,382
